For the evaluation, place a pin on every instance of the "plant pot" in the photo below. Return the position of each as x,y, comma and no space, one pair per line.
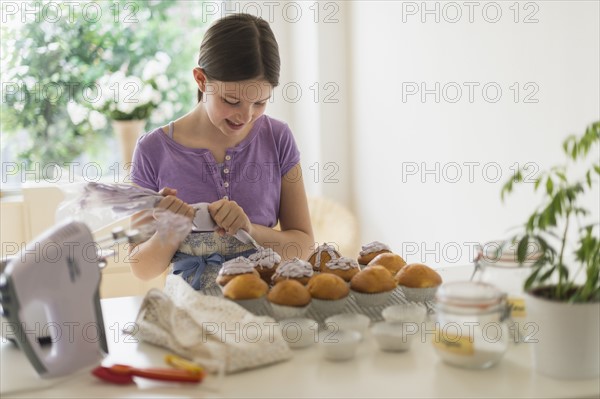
565,337
127,134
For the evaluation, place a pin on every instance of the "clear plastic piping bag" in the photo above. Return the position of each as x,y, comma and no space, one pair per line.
102,204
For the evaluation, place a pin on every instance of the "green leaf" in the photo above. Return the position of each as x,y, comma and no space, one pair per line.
597,168
557,203
552,219
522,249
547,274
561,175
531,222
506,189
564,272
543,221
531,279
567,146
549,186
518,176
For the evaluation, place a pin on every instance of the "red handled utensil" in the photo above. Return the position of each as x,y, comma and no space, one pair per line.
123,374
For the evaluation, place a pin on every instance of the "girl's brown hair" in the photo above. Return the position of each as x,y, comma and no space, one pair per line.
239,47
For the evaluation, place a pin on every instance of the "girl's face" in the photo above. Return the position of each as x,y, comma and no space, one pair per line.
232,107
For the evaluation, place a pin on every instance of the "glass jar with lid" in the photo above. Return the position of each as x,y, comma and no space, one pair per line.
470,324
497,264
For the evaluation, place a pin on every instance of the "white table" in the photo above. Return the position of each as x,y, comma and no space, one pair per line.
372,373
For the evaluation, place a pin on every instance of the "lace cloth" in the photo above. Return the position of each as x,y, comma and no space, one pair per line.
212,331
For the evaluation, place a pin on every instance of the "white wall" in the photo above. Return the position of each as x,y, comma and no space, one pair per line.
371,149
434,221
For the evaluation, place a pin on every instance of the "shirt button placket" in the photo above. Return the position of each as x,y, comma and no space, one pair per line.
226,177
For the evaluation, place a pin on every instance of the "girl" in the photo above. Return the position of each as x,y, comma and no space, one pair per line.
226,152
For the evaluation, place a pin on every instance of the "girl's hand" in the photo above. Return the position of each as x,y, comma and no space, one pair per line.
229,216
174,204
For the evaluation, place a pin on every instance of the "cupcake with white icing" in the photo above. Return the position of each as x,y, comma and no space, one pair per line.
235,267
371,250
293,269
266,261
323,254
343,267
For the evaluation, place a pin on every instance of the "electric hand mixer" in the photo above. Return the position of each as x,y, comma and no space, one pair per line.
50,299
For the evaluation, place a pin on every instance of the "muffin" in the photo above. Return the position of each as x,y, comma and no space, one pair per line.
390,261
245,286
295,269
235,267
289,298
323,254
329,292
418,282
266,261
247,290
343,267
371,250
372,286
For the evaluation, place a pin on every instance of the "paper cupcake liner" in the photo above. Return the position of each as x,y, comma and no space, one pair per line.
376,299
329,306
254,306
288,312
419,294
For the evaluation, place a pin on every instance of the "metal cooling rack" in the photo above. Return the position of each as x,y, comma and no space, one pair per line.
372,312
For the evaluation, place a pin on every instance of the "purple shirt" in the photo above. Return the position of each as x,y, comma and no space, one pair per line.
251,174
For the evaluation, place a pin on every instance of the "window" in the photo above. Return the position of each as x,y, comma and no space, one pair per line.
69,68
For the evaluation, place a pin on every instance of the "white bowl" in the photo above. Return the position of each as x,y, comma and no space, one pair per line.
394,336
409,312
299,332
348,322
339,345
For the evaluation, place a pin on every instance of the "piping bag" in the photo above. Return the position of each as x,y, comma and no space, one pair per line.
124,200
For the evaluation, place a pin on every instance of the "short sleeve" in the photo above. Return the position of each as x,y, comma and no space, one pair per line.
289,155
142,171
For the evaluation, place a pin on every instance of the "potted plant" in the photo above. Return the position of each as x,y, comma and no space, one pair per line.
128,100
563,288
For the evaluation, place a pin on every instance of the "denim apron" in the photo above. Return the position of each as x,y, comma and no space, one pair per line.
201,255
